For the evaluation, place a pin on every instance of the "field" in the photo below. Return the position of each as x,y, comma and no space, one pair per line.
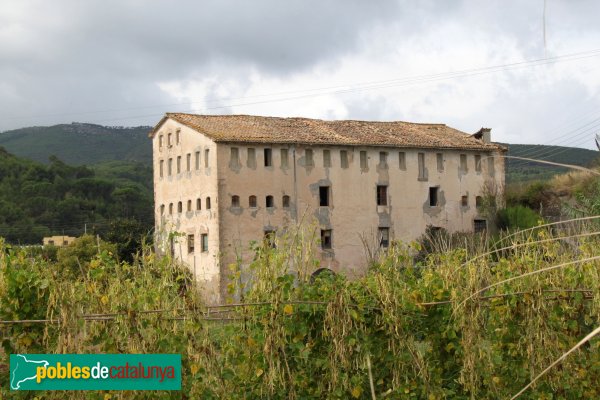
476,317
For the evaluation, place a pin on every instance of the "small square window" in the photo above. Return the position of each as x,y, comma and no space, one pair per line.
252,201
479,225
326,242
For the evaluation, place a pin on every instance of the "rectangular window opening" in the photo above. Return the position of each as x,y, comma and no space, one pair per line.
161,167
383,155
284,158
384,237
479,225
206,153
433,196
344,158
382,199
464,201
324,196
197,160
235,157
402,160
326,242
204,242
190,243
326,158
363,160
268,158
463,162
440,162
308,156
189,162
178,164
477,162
422,171
251,160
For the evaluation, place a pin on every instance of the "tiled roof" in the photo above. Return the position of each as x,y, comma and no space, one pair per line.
256,129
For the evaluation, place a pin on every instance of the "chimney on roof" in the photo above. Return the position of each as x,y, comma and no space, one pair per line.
484,134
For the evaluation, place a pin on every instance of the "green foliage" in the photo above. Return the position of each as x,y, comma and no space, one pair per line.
38,200
304,337
517,217
526,171
80,144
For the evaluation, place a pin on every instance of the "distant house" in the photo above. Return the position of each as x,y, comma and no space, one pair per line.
58,241
225,180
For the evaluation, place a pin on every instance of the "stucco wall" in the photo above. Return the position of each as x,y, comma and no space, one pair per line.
187,186
353,210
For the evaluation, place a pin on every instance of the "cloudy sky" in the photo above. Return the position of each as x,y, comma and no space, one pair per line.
464,63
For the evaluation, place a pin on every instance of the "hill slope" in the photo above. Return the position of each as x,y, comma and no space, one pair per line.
79,144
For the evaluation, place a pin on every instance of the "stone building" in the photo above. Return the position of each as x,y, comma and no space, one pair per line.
223,181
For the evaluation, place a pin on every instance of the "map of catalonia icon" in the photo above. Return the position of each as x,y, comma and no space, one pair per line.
24,369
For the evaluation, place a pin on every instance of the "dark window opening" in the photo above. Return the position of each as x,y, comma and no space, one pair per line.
324,196
479,225
189,205
198,204
478,201
188,162
252,201
268,158
197,160
269,202
208,203
433,196
162,209
382,195
206,153
464,201
326,242
178,164
269,238
190,243
204,242
170,208
285,201
384,237
235,201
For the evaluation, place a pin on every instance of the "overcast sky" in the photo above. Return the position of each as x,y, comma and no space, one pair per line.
128,62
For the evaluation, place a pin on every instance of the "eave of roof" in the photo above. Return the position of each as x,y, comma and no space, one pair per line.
305,131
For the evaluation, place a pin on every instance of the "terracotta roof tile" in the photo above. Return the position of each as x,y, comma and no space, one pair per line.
257,129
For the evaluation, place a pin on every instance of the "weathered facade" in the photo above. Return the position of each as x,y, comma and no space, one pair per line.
221,182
